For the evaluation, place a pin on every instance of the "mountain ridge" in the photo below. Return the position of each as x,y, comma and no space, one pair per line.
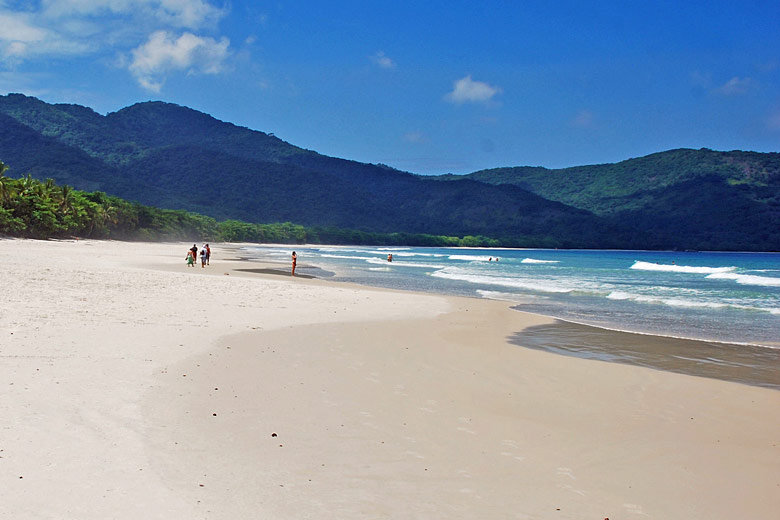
166,155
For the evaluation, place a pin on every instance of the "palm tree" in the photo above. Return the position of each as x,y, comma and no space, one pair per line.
27,183
7,185
66,198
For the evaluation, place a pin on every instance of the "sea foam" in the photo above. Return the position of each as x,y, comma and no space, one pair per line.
538,285
402,264
472,258
535,261
747,279
674,268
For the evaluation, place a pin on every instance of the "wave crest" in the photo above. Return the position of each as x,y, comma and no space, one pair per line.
674,268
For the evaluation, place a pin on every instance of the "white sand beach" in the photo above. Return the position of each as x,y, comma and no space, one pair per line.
136,387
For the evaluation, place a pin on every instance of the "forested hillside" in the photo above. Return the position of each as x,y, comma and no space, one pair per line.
174,157
704,198
169,156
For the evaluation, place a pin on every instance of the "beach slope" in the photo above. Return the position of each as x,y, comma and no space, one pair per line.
135,387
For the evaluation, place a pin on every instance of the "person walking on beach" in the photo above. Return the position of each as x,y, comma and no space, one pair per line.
208,254
190,258
294,261
203,256
194,250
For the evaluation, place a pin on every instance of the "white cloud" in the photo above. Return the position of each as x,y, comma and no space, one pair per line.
56,28
382,60
164,53
191,14
467,90
734,86
23,37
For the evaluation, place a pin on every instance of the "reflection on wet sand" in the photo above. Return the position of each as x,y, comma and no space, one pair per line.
747,364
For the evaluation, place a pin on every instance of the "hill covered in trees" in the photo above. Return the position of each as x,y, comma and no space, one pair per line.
720,200
43,209
169,156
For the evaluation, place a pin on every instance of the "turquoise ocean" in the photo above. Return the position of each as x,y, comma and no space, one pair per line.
729,303
729,297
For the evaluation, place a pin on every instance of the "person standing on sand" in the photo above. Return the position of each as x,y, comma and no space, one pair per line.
208,254
294,261
203,256
194,250
190,259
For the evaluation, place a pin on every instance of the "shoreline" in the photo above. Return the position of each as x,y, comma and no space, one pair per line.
755,365
767,375
142,388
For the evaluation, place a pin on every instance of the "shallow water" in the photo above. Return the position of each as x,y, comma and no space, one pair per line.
718,297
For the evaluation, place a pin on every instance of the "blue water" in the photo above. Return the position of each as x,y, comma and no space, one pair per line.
725,297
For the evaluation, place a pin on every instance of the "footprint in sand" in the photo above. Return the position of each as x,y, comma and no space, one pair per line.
566,472
635,509
518,458
567,487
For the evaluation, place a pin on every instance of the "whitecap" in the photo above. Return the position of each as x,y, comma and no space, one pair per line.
472,258
535,261
674,268
747,279
538,285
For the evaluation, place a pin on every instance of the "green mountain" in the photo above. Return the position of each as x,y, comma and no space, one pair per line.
169,156
718,200
174,157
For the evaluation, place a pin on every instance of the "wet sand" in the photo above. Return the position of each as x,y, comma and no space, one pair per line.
747,364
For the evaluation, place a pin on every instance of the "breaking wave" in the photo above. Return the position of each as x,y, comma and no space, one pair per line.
535,261
747,279
674,268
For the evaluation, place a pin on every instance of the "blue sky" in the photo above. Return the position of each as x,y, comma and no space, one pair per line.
427,87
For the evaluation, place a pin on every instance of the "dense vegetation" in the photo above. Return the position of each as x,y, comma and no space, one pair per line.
629,185
31,208
169,156
164,155
700,199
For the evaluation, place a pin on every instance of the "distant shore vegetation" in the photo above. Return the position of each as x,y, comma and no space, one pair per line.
31,208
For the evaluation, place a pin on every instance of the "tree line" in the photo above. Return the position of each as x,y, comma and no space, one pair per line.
32,208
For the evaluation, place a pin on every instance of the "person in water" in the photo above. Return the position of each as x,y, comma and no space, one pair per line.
294,261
